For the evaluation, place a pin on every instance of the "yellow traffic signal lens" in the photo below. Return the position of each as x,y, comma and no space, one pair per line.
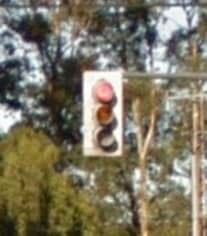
105,115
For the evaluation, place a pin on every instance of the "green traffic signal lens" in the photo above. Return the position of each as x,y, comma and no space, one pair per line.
106,140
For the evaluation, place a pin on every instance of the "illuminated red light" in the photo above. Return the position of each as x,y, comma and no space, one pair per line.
104,92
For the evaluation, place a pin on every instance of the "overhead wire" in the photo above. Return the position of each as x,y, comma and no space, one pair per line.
154,4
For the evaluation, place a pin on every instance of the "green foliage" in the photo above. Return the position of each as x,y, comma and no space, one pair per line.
170,215
34,199
34,27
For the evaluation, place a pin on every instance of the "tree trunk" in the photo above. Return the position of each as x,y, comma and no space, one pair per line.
143,145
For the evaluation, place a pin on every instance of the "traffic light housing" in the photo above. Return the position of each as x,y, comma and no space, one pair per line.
102,113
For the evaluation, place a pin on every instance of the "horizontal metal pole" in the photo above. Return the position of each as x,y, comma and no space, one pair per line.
167,76
187,97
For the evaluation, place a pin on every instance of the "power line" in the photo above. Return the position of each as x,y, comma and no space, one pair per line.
22,6
108,5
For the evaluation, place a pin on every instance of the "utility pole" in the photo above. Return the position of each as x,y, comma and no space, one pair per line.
196,173
203,187
198,168
198,152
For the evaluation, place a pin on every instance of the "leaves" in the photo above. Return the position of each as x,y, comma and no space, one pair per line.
32,193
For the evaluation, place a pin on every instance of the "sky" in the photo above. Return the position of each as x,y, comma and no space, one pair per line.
173,19
8,118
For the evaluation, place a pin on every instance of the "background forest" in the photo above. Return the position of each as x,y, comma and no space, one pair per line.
46,186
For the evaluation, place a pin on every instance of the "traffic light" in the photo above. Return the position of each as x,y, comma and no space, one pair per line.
102,113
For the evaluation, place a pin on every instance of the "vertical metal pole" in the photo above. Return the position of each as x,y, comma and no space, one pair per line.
203,187
196,231
196,157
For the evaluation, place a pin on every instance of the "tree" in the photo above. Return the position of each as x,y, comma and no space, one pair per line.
34,198
79,40
64,43
118,33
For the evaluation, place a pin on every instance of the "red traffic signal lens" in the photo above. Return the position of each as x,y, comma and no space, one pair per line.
105,115
104,91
